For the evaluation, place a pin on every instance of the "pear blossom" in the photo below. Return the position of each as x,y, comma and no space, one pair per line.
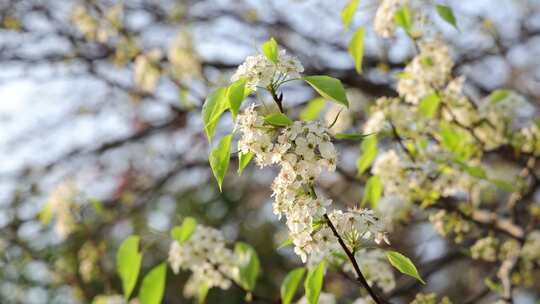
258,71
205,254
427,72
383,23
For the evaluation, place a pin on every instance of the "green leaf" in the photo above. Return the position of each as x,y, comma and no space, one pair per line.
348,11
288,242
456,140
183,232
278,120
236,93
368,150
328,87
203,292
447,15
403,264
45,215
493,286
503,185
499,95
474,171
290,284
220,158
153,285
429,105
313,283
356,49
313,109
128,263
403,18
373,191
215,104
243,161
270,50
351,136
249,265
97,205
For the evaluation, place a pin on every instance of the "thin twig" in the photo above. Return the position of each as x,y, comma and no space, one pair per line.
359,276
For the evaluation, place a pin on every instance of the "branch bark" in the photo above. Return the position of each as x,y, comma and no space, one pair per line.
359,276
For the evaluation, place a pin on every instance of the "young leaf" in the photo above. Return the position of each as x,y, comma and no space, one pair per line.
328,87
498,95
503,185
288,242
348,11
153,285
249,265
236,93
270,50
403,18
403,264
128,263
356,49
474,171
313,283
429,105
351,136
183,233
313,109
278,120
290,284
368,150
447,15
220,158
243,161
215,104
373,191
203,292
46,213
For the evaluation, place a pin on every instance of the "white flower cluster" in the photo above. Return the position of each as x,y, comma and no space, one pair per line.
427,72
258,71
146,71
430,298
450,223
96,28
324,298
303,150
113,299
388,109
430,175
61,206
375,268
383,23
390,168
530,139
205,254
485,249
531,248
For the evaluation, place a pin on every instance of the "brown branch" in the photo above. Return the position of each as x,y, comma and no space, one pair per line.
359,276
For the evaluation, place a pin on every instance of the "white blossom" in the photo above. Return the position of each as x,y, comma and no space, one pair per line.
324,298
61,205
258,71
375,268
427,72
485,249
383,23
147,72
530,139
531,248
205,254
375,123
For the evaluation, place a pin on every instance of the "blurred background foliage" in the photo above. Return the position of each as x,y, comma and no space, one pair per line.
100,115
